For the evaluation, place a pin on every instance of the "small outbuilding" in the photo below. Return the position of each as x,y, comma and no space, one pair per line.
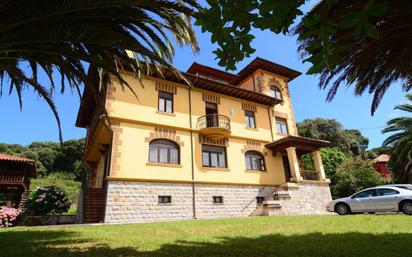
380,164
15,174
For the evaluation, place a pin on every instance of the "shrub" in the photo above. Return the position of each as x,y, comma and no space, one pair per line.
353,175
49,200
8,216
65,181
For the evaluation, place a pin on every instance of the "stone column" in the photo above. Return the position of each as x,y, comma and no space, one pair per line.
293,163
317,159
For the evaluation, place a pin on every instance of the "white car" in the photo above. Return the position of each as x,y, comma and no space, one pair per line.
377,199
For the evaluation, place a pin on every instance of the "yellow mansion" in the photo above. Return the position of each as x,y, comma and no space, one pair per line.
223,145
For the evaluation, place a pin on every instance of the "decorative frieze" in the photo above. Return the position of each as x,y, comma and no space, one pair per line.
274,82
249,107
206,140
251,146
259,83
164,133
211,98
165,88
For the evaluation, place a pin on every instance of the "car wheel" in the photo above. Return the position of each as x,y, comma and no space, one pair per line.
342,209
406,208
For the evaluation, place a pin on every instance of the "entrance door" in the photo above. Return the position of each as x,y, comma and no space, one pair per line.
211,115
286,167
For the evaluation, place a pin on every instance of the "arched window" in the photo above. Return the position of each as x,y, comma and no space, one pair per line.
254,161
275,92
163,151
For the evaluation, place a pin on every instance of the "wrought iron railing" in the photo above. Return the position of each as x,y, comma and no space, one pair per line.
309,175
213,121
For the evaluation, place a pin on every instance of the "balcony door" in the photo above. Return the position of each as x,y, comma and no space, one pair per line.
211,115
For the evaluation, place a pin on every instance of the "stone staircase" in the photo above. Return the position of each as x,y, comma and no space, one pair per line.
95,203
272,206
23,206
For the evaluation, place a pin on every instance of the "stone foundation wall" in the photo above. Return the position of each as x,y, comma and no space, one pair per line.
238,201
306,198
135,202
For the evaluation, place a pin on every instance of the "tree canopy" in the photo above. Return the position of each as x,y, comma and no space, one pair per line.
353,175
349,141
365,43
52,157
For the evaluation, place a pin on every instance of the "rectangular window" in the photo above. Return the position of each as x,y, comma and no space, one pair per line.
217,199
165,102
213,156
165,199
250,119
260,199
281,126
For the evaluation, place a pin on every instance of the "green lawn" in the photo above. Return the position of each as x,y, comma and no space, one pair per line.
359,235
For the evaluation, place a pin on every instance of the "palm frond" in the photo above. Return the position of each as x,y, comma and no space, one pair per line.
60,37
369,63
401,142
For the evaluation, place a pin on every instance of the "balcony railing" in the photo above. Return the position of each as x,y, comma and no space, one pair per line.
214,121
309,175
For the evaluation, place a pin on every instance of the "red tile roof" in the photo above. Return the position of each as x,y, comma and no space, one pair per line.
381,158
25,163
9,157
302,144
235,79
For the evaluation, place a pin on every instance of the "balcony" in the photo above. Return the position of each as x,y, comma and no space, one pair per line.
214,126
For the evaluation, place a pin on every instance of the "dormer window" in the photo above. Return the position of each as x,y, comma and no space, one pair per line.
275,93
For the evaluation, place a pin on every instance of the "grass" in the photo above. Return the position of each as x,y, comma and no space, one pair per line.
71,211
304,236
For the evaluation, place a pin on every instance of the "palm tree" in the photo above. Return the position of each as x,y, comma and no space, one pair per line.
401,142
363,43
65,36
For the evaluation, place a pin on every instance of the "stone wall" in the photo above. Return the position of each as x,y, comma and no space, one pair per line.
135,202
306,198
238,201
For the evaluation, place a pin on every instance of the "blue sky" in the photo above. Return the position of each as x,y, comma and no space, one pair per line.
36,122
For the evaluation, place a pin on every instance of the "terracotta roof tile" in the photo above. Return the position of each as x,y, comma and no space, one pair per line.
9,157
381,158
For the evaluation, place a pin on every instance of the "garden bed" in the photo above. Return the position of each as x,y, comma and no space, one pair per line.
36,220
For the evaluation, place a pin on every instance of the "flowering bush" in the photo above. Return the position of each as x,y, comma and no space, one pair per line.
49,200
8,216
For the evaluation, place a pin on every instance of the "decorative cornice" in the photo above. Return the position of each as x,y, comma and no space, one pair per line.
249,107
211,98
206,140
166,87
